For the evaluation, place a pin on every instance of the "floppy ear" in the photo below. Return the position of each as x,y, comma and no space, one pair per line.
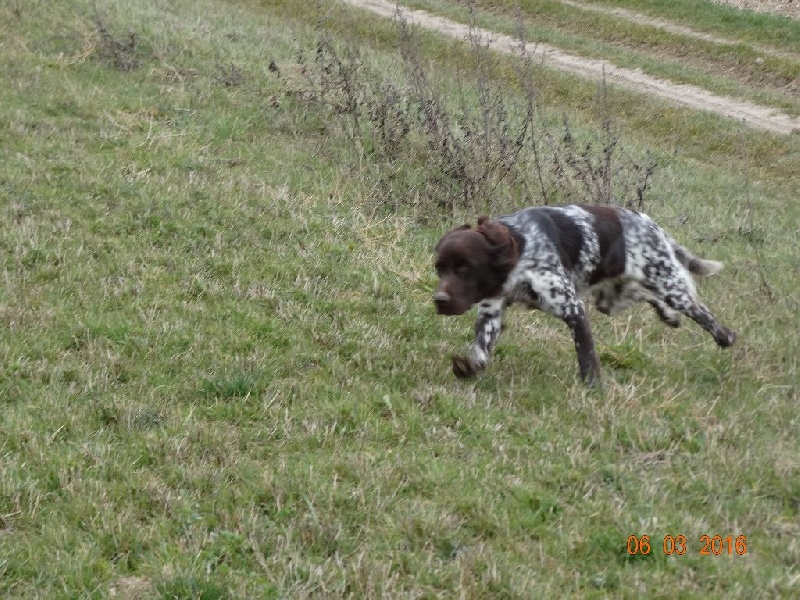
495,233
463,227
504,246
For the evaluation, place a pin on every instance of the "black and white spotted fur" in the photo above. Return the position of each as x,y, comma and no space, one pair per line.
551,258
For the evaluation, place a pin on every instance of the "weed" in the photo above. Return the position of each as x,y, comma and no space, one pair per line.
192,587
751,233
122,52
470,139
230,75
230,388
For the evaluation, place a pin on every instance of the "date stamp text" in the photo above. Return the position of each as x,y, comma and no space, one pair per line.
678,545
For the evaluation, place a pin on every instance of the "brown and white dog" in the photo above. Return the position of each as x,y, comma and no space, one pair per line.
550,258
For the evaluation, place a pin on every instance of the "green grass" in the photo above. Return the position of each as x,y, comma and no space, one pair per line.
221,376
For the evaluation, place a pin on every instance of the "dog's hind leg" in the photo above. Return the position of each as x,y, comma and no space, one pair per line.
680,298
665,313
700,314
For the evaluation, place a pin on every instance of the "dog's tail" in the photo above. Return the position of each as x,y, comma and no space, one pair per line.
697,266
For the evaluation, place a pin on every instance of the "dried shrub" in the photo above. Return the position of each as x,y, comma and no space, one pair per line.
123,52
229,75
477,144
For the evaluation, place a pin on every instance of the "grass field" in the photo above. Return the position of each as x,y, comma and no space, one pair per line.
221,375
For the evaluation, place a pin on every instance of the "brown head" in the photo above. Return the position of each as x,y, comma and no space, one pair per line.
473,264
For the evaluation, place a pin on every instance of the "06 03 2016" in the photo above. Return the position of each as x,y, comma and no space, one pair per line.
678,545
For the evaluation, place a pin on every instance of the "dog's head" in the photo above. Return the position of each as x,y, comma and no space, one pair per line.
473,264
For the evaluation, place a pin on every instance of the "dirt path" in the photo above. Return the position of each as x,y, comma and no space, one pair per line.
787,8
688,95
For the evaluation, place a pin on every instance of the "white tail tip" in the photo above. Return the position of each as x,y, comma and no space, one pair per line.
707,267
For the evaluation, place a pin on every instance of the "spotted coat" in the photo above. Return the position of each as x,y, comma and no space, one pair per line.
552,259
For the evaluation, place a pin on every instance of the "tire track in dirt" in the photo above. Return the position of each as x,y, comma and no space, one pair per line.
641,19
749,114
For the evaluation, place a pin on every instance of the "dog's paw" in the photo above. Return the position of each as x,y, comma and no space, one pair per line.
726,337
463,368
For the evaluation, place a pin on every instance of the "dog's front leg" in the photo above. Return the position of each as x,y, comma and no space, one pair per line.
552,291
588,363
487,330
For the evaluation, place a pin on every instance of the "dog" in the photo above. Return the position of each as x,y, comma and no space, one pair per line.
551,258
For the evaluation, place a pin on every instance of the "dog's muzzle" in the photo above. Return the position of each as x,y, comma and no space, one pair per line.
445,305
442,301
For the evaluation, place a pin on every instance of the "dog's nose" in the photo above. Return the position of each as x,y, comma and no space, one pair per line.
442,301
441,298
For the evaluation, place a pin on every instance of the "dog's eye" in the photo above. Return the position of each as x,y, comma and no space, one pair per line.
462,270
